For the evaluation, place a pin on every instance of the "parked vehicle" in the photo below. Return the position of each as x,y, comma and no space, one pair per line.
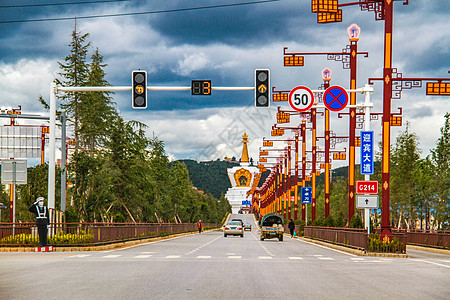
233,228
272,226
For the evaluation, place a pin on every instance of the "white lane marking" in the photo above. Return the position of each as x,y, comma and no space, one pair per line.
326,258
200,247
317,255
265,249
81,255
111,256
445,260
295,257
148,243
265,257
432,262
204,256
234,257
350,254
173,256
357,258
143,256
148,252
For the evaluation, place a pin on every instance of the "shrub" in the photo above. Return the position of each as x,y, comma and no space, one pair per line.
329,222
356,222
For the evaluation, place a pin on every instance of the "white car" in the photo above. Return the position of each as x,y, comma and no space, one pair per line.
233,228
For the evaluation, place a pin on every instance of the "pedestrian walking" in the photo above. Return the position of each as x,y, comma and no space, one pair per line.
42,219
291,226
200,226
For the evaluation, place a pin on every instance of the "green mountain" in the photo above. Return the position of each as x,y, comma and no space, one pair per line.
210,176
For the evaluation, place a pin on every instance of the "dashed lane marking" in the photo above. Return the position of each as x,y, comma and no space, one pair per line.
265,257
143,256
234,257
204,256
325,258
81,255
173,256
295,257
111,256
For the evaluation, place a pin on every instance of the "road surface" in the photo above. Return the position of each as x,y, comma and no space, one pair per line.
210,266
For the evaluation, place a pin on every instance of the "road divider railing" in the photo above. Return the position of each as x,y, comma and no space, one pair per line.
358,239
91,234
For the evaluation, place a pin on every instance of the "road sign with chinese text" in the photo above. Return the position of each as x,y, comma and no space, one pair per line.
367,152
306,195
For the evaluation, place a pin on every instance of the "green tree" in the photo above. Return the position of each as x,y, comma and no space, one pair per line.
402,193
425,188
96,110
75,72
440,156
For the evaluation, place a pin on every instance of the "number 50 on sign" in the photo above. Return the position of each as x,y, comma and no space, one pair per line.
301,98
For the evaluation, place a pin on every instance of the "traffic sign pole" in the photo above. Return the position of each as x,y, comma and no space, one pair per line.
367,103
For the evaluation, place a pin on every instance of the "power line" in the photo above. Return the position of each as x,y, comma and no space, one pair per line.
140,13
63,3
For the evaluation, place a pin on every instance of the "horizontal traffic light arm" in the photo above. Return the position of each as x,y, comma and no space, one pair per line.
149,88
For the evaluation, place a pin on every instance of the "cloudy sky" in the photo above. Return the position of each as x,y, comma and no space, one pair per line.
176,41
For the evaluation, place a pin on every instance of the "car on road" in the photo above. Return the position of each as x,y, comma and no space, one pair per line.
248,226
239,220
272,226
233,228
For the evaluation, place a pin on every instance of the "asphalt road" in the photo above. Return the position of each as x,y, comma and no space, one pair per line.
210,266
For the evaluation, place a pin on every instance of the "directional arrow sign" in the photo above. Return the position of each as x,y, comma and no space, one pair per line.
262,88
366,201
335,98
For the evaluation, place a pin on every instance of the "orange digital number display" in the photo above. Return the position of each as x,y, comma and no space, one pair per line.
201,87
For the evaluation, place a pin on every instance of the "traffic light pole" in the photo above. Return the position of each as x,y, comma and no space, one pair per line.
54,89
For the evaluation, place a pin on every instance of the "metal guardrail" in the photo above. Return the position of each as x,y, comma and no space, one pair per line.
427,238
85,234
357,238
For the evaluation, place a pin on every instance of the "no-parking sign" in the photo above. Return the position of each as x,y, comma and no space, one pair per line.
335,98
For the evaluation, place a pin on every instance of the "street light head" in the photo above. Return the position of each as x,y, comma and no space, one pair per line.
353,32
326,74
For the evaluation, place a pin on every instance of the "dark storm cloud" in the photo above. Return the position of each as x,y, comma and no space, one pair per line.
238,25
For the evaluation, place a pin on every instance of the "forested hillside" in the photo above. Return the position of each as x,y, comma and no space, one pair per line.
210,176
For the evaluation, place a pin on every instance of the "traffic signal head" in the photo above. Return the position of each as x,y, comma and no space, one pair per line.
139,92
262,86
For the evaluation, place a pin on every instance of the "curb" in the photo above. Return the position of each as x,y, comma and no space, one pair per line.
101,247
429,249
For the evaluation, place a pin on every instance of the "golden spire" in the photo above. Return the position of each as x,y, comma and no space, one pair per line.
244,157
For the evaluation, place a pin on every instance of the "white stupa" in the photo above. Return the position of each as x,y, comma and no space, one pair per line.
241,178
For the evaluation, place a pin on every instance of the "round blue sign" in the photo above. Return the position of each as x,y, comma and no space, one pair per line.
335,98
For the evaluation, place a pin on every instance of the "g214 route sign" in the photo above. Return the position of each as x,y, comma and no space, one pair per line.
367,187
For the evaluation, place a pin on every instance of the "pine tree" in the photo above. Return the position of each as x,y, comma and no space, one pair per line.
75,72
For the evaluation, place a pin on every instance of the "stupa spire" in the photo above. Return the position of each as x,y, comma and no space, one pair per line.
244,156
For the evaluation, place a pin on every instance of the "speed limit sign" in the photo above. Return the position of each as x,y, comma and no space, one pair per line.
301,98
